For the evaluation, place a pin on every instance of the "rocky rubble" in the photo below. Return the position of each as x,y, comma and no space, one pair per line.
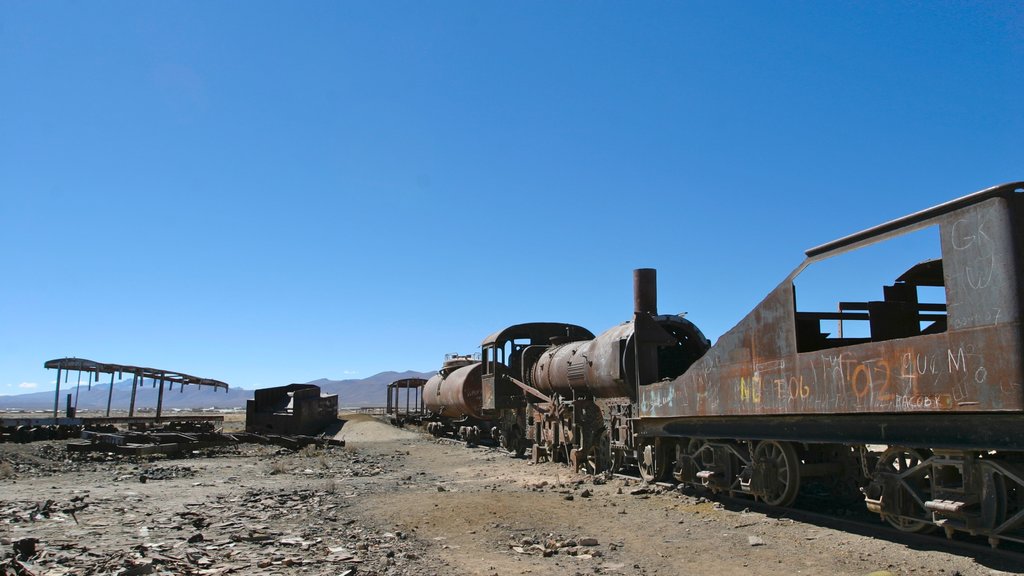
405,507
547,546
259,529
285,515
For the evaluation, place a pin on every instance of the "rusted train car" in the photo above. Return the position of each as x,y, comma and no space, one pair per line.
451,399
460,399
925,406
912,394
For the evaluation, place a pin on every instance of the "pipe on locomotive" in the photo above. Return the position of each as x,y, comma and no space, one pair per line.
645,291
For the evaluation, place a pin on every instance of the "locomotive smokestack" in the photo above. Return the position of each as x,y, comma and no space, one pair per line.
645,291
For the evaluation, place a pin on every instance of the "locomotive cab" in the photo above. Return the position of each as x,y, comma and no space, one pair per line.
505,356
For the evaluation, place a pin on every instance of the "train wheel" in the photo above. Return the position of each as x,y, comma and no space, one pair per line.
911,473
777,468
995,500
552,450
651,459
565,455
686,466
617,457
514,442
599,454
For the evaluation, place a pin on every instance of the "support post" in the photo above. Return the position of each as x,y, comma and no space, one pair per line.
110,394
56,395
160,399
78,388
131,406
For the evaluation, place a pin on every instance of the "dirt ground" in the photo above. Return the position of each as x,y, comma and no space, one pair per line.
398,502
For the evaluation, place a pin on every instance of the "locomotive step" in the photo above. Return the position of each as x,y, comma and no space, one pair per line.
948,506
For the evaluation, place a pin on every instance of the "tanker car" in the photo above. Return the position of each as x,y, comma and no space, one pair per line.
921,408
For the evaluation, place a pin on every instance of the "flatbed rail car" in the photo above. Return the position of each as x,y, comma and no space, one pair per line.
781,396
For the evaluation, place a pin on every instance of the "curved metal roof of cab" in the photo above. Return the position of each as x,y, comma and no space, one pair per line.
539,330
84,365
1004,190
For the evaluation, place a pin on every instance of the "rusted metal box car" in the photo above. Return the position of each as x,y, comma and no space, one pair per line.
945,359
931,368
291,409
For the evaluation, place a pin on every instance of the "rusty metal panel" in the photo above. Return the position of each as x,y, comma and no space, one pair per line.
942,372
978,247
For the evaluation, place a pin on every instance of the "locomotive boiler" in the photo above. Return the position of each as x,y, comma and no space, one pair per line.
580,389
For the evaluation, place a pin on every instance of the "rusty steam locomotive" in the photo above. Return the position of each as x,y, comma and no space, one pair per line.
915,399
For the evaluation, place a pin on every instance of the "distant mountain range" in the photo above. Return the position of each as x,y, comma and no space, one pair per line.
370,391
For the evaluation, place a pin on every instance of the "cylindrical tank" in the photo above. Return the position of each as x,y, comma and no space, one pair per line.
457,395
604,367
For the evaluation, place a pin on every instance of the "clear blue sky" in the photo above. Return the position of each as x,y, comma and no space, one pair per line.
267,193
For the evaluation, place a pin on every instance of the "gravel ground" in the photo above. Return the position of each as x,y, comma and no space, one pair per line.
395,502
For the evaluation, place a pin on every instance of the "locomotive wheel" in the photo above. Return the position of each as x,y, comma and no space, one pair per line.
778,468
518,444
686,466
652,459
618,456
565,454
913,485
995,499
514,442
598,457
552,450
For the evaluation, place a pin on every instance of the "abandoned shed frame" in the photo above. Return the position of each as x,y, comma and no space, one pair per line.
139,375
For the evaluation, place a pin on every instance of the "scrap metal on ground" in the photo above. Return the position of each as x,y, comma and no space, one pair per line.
292,409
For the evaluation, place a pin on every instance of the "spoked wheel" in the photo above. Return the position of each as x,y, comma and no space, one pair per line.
995,498
565,454
651,459
777,470
518,444
686,466
598,457
618,456
552,450
512,440
913,484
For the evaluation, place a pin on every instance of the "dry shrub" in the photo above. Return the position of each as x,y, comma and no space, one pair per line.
330,486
